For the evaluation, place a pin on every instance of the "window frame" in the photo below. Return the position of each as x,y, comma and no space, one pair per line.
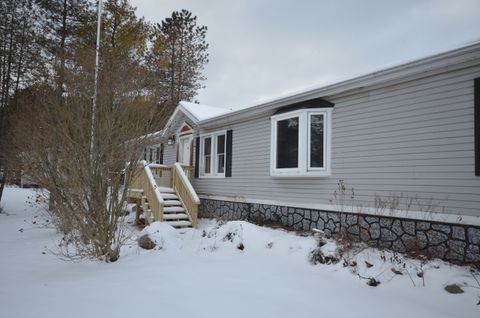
213,155
304,137
203,155
309,139
217,154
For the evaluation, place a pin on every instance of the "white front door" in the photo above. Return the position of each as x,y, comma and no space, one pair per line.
184,151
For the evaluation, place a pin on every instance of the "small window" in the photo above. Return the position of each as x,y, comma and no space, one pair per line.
151,155
220,154
287,143
301,143
316,141
213,154
157,155
207,155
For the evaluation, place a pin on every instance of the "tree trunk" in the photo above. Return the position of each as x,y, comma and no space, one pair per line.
3,181
172,75
62,46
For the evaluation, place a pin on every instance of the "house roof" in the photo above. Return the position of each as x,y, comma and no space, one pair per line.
199,112
195,112
461,57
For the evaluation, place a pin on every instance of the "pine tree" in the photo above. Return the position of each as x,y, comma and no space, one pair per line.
60,20
20,63
177,57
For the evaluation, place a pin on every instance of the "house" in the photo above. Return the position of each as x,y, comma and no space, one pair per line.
391,158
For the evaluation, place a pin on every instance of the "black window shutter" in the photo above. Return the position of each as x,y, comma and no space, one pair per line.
161,154
476,98
197,156
228,154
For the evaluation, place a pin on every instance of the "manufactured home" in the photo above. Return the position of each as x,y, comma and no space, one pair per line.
391,158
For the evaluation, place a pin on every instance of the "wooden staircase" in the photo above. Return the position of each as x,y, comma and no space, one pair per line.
165,194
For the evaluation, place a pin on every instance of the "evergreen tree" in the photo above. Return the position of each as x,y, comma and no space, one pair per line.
60,20
20,63
177,57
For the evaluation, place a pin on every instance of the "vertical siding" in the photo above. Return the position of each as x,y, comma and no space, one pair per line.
414,138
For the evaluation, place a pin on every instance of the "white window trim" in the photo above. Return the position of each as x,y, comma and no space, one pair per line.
214,158
303,169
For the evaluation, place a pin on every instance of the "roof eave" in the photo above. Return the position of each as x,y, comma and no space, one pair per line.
469,55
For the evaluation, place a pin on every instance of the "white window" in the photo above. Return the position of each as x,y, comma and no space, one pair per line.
212,154
300,143
220,154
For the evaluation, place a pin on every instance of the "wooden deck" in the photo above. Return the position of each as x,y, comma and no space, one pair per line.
165,194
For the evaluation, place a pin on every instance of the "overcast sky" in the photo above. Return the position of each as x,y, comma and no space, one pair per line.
260,49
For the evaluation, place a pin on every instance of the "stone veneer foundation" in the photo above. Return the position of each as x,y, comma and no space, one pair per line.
452,242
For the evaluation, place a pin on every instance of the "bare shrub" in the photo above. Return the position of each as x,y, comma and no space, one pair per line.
87,183
393,203
345,198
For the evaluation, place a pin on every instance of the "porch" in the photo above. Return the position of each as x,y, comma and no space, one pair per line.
165,194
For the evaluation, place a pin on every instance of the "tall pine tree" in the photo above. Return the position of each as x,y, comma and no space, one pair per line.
60,22
20,62
177,57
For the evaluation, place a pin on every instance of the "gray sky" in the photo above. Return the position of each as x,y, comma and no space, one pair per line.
260,49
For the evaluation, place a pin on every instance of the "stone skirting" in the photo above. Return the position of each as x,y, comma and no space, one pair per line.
452,242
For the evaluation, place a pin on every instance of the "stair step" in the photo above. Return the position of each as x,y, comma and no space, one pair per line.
173,209
178,216
172,202
179,223
169,196
166,190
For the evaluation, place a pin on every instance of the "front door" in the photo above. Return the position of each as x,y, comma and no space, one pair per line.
184,151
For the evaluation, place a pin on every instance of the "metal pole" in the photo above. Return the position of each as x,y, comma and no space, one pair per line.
97,57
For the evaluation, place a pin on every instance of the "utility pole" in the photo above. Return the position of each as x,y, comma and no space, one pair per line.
97,57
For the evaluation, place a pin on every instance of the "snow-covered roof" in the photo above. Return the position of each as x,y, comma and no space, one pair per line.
201,112
196,112
420,67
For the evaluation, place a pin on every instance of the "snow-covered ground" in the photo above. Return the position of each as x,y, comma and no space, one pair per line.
204,273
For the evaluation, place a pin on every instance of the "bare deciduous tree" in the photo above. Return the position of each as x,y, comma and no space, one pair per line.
52,141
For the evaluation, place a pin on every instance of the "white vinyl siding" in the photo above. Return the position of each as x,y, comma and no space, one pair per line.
415,138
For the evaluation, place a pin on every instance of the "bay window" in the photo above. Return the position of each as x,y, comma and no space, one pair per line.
300,143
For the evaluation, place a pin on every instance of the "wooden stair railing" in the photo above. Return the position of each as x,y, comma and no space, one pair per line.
188,172
162,174
144,179
187,195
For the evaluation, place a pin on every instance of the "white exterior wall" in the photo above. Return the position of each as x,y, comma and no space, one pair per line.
415,138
